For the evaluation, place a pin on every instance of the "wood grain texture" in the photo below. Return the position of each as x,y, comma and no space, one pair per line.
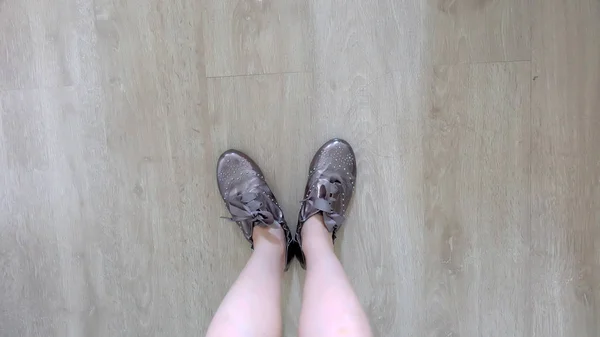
154,95
267,117
480,30
475,212
40,43
368,91
17,48
476,150
565,169
352,39
41,238
88,241
256,37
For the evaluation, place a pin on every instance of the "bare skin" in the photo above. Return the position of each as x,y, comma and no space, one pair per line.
252,307
330,307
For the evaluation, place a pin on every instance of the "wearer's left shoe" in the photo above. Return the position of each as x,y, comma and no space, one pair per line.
248,198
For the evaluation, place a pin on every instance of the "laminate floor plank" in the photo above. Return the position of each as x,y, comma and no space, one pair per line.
153,242
41,241
476,149
466,31
16,44
565,169
42,45
269,118
368,91
115,161
256,37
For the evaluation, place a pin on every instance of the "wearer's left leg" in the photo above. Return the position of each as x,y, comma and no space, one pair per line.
252,307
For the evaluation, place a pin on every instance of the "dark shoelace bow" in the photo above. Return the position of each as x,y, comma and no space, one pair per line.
321,199
251,206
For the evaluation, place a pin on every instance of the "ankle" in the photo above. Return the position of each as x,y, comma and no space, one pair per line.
315,236
268,239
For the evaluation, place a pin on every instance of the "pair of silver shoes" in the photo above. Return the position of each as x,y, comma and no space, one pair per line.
250,201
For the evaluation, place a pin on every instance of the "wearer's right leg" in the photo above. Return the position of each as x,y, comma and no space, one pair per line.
330,307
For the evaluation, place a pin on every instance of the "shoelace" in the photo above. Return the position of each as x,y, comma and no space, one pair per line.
251,206
321,198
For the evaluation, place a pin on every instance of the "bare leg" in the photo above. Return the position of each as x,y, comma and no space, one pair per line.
252,307
330,306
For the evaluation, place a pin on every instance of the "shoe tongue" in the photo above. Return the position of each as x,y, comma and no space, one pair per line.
322,191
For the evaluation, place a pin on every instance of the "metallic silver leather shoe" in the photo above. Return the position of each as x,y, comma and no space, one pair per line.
248,198
331,180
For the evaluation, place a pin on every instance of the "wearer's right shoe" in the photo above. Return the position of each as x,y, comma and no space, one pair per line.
330,186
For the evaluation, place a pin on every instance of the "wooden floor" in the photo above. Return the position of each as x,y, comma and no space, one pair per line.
476,125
